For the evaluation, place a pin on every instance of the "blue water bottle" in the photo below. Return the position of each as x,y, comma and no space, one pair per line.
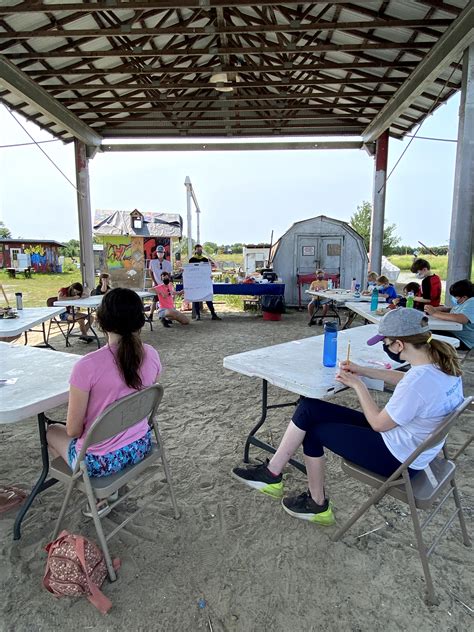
374,301
330,344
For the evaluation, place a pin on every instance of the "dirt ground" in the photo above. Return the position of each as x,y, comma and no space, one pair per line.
256,568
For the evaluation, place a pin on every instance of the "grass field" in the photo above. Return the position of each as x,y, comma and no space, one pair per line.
41,286
439,264
37,289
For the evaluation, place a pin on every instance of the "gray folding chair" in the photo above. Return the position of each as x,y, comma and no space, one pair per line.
115,419
421,492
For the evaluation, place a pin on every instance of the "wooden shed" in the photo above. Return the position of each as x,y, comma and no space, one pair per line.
41,255
319,242
130,239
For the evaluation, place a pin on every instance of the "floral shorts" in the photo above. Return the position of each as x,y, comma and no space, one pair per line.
112,462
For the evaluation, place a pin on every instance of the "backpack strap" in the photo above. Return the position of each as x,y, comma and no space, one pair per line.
96,597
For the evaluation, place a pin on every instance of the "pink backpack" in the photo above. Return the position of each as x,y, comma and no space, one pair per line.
76,566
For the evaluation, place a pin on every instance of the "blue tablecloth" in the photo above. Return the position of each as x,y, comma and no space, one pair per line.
249,289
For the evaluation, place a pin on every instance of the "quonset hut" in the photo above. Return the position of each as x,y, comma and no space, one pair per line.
319,242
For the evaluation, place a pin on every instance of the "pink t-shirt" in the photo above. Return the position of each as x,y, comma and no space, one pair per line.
98,374
165,295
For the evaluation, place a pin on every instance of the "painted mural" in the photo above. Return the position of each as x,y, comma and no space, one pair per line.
124,260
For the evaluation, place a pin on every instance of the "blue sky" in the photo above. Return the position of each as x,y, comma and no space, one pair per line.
243,196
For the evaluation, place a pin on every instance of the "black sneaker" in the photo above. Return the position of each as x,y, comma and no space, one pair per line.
304,507
165,322
259,477
215,317
86,339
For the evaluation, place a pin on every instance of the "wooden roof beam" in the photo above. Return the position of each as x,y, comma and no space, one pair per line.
215,51
448,49
19,84
228,29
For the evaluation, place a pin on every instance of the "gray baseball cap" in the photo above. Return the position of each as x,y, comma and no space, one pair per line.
160,249
401,322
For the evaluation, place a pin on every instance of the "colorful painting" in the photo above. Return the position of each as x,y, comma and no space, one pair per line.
125,261
118,252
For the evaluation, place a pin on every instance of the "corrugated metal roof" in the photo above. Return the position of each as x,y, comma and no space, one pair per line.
154,224
143,69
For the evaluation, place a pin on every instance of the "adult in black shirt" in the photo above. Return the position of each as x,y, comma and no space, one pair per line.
198,257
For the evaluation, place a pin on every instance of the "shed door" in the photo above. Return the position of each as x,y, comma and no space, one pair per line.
307,256
331,252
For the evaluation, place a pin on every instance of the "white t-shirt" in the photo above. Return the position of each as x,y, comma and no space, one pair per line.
157,267
420,401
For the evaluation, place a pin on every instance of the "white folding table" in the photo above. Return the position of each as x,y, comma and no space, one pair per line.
89,303
26,319
297,367
339,298
436,324
42,383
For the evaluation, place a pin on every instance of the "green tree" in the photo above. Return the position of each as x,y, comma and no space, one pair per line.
71,248
210,247
4,231
360,222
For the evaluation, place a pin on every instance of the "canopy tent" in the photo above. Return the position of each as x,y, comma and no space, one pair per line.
248,69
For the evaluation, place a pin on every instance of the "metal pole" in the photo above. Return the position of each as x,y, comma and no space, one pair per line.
378,209
198,228
462,224
84,214
187,184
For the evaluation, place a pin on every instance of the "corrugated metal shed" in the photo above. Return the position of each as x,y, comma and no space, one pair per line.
148,69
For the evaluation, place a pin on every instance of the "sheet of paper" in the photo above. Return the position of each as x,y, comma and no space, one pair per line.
197,282
5,382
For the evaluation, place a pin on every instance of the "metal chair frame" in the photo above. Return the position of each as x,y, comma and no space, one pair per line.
399,485
121,415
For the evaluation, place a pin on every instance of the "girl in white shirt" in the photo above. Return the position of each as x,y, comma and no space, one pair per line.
377,440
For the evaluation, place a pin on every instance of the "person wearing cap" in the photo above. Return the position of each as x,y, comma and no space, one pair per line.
377,440
157,266
198,257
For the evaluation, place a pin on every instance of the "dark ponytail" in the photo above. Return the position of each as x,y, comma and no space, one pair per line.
121,312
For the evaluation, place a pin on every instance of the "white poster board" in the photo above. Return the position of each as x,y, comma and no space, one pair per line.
197,282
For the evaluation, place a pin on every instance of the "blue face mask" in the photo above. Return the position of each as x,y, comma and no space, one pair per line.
380,287
454,301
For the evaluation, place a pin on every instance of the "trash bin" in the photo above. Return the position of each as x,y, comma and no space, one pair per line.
272,307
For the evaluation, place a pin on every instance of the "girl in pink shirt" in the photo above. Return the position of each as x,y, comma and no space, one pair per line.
166,293
99,379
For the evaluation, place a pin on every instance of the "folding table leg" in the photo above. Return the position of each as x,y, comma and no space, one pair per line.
40,485
252,440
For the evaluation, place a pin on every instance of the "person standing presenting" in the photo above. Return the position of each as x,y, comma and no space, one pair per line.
157,267
198,257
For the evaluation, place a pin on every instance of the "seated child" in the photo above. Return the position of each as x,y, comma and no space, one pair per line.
371,283
386,289
75,291
166,293
462,311
318,284
430,283
99,379
103,285
401,301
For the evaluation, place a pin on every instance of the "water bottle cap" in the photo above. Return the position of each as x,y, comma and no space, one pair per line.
330,326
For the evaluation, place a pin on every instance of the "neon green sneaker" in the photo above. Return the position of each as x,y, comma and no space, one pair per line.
304,508
260,478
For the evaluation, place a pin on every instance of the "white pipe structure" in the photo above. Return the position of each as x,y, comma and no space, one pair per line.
190,195
188,185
